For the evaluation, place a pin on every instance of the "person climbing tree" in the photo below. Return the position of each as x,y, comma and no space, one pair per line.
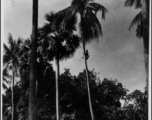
86,55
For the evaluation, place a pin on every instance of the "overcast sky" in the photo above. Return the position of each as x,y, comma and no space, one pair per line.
118,54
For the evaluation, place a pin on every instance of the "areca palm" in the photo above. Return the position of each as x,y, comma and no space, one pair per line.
11,62
57,44
89,25
142,30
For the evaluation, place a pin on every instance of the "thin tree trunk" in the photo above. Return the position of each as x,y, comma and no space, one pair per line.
145,25
57,88
33,65
88,82
13,111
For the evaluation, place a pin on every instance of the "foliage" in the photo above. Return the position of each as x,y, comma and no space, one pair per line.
73,95
138,18
56,42
135,105
89,24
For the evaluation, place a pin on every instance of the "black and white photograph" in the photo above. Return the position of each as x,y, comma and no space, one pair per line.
76,59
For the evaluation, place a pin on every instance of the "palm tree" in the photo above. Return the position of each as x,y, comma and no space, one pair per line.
142,31
89,25
59,45
33,63
11,62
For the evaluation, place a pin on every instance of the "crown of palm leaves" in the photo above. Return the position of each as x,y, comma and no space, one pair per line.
89,25
54,41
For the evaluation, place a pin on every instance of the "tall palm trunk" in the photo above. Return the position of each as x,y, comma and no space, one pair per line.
88,82
57,88
145,25
33,65
145,22
13,109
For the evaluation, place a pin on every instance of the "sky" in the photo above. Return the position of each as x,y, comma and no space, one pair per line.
118,54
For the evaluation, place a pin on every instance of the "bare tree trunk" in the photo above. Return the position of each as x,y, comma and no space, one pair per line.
13,110
57,88
145,22
88,83
145,25
33,64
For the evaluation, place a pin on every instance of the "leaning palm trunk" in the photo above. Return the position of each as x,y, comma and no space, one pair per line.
13,109
57,88
33,65
145,25
88,82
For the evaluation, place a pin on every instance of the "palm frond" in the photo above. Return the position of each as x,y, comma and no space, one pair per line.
26,45
139,32
50,16
52,40
90,27
98,7
96,22
66,50
10,38
4,86
17,47
19,41
80,2
137,20
5,75
67,18
70,25
6,59
6,48
9,52
136,3
72,44
27,41
61,15
13,59
46,30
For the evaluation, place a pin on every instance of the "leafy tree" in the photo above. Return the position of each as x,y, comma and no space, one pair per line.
73,96
89,25
61,45
20,101
106,102
135,105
